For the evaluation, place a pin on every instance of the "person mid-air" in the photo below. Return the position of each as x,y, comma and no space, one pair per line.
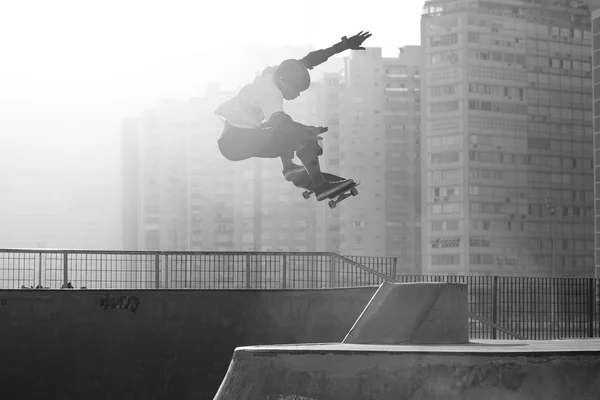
255,124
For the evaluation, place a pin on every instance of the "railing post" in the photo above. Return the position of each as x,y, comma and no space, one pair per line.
248,276
495,302
591,306
157,270
332,271
284,272
395,268
65,269
166,271
40,270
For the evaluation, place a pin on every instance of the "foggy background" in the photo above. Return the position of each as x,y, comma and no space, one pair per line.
70,71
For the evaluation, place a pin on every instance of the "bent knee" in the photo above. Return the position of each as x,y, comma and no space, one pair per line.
309,151
280,120
230,151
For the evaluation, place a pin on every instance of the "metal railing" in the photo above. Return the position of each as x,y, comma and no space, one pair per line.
528,308
55,269
500,307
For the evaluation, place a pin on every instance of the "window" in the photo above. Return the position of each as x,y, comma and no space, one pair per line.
482,259
445,259
450,106
448,157
444,90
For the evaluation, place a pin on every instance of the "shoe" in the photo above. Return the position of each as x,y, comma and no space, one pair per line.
326,189
304,183
295,173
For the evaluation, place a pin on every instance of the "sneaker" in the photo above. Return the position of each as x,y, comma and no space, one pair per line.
295,173
325,190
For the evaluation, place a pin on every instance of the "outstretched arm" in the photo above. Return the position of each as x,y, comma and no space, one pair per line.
318,57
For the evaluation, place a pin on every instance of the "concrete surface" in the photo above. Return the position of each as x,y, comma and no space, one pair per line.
414,313
474,346
153,344
482,370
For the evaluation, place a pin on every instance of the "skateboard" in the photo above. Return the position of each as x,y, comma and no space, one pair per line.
337,196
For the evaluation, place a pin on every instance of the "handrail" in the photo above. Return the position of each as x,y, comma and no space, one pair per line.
494,325
161,252
360,266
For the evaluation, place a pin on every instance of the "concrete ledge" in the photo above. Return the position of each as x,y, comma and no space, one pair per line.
507,370
414,313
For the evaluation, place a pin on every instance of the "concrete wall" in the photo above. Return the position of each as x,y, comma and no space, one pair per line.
158,344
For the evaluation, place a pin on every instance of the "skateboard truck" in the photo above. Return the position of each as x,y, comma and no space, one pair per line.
352,192
336,197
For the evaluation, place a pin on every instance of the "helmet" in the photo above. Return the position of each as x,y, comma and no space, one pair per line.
294,73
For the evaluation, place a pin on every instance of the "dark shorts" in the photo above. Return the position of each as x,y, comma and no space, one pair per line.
238,144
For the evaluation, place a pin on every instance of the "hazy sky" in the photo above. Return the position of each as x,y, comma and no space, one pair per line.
71,70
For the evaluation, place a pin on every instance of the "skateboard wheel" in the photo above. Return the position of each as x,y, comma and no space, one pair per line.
354,192
306,195
332,204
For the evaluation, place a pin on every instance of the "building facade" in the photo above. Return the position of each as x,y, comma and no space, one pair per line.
379,145
327,104
180,193
596,91
507,135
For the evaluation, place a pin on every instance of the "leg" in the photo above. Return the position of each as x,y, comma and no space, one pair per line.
285,139
236,144
309,155
310,159
273,140
291,171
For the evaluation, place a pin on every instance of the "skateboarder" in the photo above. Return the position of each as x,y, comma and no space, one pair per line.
255,124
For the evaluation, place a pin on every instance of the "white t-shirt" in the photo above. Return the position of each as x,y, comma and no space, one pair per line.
255,103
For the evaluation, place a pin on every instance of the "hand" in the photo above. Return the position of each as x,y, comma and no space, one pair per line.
320,129
313,132
355,42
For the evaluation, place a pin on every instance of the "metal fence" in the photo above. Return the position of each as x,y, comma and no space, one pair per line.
533,308
501,307
54,269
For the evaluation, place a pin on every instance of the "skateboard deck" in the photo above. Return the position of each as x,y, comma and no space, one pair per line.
338,196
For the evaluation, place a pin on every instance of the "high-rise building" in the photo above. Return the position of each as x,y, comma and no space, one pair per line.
507,138
379,145
328,93
180,193
596,79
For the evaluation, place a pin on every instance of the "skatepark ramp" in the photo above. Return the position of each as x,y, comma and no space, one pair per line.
413,313
411,342
482,370
389,279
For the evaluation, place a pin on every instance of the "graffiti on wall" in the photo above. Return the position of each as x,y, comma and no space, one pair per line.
130,303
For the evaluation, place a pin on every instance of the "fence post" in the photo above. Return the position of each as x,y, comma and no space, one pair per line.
157,270
284,272
65,269
395,268
591,306
495,302
167,284
40,271
248,271
332,280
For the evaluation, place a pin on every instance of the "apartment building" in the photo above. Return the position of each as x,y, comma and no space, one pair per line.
596,93
179,193
379,145
507,138
327,105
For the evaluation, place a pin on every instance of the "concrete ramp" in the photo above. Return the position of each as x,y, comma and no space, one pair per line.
414,313
512,370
